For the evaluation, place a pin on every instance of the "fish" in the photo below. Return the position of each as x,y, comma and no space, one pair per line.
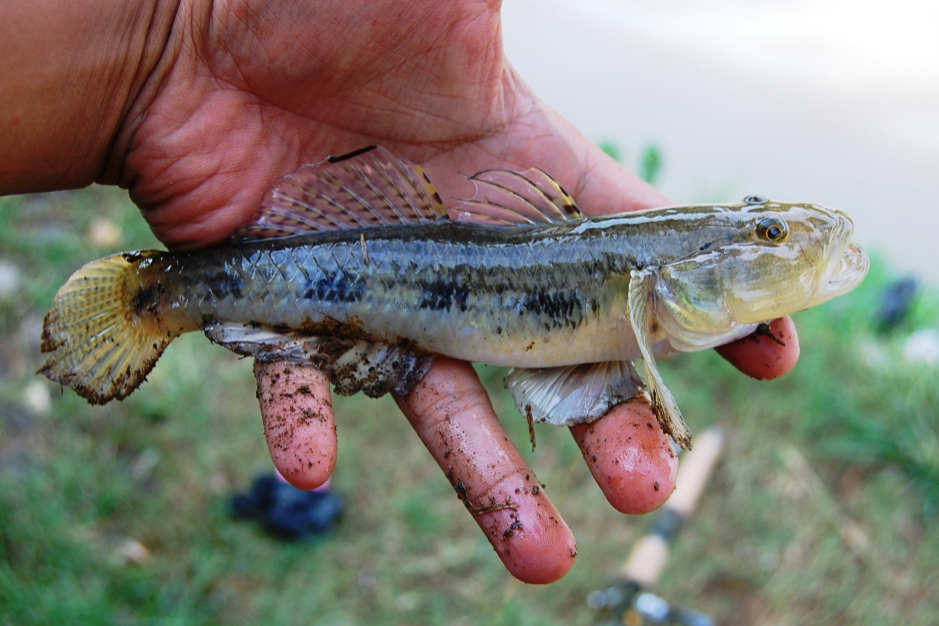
354,265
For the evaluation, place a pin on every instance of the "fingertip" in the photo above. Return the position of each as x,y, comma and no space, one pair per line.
534,543
632,460
298,422
768,354
453,416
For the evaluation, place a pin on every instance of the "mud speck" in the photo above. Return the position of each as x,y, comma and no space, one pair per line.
515,526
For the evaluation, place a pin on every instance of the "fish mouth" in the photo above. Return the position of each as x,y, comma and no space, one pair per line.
846,272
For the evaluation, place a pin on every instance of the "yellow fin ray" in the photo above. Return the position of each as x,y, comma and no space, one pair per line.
100,337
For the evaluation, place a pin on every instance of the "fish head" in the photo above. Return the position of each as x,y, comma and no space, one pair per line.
765,260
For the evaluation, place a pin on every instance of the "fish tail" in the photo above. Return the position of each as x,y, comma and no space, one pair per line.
107,328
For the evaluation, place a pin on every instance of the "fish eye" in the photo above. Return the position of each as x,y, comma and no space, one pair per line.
772,228
755,200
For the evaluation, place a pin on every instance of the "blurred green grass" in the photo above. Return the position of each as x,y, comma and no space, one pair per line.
820,512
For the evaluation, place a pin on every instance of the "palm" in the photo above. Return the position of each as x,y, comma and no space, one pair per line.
254,96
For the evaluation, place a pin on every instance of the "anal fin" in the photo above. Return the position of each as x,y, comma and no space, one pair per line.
352,365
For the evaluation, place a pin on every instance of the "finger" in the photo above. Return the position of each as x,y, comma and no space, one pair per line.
298,422
632,460
765,355
452,414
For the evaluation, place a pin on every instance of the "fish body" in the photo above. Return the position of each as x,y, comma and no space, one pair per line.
520,278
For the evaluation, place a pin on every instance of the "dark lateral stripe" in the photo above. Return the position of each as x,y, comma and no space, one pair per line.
338,287
223,284
551,307
557,308
441,295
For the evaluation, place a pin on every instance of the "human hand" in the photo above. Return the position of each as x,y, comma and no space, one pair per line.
243,92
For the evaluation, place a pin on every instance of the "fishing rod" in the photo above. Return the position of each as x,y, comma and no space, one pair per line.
628,601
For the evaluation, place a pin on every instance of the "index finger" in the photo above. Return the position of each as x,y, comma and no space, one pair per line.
451,413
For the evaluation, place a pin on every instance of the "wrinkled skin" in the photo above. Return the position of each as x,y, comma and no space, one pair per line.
235,94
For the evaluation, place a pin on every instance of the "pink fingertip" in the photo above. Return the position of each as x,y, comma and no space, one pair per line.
298,422
630,457
452,415
765,355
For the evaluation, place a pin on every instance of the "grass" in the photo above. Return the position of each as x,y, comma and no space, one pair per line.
820,512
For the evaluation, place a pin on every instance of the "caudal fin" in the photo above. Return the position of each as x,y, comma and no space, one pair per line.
104,332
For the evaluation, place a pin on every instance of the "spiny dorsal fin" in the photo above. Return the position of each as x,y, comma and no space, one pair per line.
505,197
368,187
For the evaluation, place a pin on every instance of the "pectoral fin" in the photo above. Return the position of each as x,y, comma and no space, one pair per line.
352,365
640,318
578,394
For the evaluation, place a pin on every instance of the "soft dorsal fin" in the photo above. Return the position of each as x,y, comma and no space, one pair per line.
368,187
505,197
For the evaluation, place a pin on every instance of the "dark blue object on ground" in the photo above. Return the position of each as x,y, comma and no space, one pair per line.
896,302
286,511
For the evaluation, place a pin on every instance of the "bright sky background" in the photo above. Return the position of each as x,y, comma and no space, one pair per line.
831,101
